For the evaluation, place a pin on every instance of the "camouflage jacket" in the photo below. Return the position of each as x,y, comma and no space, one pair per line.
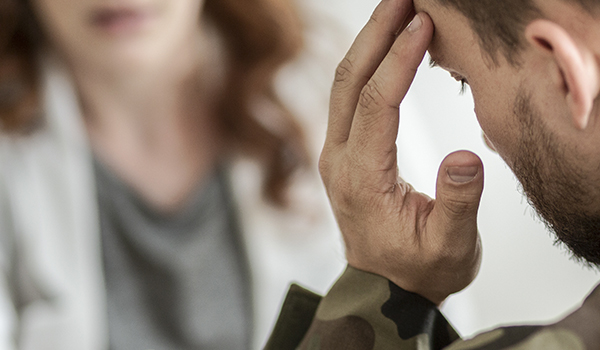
363,311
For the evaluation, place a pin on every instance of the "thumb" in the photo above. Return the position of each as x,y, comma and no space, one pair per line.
458,193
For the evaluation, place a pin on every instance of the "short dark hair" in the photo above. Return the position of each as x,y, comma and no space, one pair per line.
500,23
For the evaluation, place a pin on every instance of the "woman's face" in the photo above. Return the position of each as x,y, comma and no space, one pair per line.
123,34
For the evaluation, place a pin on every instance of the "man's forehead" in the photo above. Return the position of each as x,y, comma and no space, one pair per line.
424,5
452,36
421,4
435,50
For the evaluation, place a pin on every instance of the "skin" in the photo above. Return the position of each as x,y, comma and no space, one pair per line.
428,246
143,88
539,114
388,227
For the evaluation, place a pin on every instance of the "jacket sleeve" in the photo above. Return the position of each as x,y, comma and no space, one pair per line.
363,311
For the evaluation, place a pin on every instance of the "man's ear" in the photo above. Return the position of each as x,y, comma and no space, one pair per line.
577,65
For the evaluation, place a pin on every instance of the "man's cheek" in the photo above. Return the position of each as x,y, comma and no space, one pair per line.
486,123
495,133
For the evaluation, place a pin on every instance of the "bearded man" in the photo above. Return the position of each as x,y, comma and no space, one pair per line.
534,70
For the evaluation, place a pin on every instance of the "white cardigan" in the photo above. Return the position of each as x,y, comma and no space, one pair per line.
52,293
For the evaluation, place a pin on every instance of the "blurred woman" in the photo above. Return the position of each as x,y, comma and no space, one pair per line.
135,135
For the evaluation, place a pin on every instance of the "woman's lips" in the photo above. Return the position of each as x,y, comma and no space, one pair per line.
117,21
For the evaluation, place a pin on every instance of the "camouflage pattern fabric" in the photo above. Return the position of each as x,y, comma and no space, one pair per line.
363,311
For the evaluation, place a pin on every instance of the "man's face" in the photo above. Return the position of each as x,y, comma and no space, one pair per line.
525,118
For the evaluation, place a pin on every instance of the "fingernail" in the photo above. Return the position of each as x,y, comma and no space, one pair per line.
462,174
415,24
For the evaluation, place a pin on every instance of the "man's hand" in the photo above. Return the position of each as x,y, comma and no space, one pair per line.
430,247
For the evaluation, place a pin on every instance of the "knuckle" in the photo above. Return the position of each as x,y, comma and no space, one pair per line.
345,188
375,16
458,207
344,71
371,97
324,167
456,249
404,54
343,192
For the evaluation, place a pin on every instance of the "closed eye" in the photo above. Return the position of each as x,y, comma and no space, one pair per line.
464,83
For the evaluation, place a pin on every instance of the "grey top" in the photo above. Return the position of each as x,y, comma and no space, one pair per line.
174,281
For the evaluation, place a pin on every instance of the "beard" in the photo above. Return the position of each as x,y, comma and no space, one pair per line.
559,190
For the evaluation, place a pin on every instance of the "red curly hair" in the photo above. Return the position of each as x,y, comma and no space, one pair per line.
259,36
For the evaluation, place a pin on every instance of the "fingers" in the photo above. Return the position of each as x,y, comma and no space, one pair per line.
363,58
375,125
458,193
